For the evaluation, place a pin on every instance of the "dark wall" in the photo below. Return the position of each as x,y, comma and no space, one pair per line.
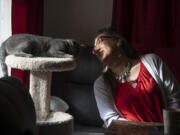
78,19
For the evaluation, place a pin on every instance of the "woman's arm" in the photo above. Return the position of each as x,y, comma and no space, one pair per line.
105,103
170,84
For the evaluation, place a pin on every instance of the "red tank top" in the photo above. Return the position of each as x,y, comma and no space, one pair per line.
142,103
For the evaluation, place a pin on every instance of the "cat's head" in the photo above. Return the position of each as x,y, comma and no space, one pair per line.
68,46
74,48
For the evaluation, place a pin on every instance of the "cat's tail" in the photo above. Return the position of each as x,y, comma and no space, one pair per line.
3,55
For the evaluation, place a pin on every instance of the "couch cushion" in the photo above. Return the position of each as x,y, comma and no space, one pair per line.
82,103
87,70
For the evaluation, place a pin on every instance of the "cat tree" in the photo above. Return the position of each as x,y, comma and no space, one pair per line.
41,69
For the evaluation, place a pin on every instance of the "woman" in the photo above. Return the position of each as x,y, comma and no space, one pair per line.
131,87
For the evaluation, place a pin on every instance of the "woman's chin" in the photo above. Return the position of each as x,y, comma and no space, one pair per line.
103,58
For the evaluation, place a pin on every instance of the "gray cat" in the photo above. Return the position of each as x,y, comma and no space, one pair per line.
28,45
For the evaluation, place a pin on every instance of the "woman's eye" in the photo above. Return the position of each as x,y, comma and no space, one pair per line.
99,40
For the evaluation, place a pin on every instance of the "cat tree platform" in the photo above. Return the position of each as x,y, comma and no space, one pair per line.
41,69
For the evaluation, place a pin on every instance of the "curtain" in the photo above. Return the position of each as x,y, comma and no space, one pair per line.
5,22
148,23
27,17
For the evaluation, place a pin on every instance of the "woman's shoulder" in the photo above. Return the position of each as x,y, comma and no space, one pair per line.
99,84
99,80
151,58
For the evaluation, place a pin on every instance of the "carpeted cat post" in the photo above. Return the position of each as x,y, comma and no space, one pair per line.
41,69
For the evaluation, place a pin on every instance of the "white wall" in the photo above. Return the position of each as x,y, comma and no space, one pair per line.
78,19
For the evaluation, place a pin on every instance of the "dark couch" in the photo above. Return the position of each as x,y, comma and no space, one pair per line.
76,88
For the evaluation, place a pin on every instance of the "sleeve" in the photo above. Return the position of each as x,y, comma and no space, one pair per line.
105,103
169,83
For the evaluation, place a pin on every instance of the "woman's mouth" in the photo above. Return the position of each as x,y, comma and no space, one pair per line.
99,53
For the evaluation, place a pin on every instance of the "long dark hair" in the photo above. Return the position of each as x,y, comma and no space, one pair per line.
128,50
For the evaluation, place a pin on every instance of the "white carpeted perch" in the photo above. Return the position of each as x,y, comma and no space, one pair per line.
41,69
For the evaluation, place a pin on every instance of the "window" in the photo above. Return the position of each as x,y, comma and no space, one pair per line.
5,21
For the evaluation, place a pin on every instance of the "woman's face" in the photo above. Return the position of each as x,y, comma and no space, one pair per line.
105,47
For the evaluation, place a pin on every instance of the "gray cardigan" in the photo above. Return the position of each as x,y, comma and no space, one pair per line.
168,85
